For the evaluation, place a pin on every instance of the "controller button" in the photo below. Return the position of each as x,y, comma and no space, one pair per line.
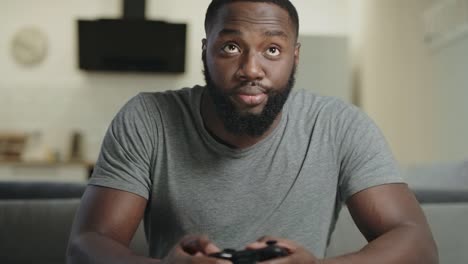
225,255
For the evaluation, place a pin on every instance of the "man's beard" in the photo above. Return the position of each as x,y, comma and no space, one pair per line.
237,123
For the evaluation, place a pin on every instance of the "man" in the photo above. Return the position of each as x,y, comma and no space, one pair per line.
244,160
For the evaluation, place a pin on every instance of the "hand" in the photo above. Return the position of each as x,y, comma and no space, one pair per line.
297,253
193,249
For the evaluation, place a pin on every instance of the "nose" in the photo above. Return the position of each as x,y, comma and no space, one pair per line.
251,68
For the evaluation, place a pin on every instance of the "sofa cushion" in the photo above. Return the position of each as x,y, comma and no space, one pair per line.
40,190
35,231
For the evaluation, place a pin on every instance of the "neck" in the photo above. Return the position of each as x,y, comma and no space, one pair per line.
215,126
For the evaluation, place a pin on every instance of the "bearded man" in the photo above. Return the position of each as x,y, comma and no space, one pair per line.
245,160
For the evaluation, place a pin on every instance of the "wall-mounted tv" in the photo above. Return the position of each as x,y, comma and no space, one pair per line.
135,45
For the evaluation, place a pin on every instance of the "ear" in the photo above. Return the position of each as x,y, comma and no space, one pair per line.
204,44
297,50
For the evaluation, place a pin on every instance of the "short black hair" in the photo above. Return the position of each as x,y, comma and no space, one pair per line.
215,5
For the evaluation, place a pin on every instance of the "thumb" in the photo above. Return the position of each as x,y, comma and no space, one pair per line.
198,244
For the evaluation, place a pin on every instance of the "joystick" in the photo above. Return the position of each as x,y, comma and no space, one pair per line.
252,256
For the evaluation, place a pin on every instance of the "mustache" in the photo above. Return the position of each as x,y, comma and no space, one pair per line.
251,87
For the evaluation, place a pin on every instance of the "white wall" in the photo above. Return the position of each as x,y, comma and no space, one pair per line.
56,98
416,95
395,75
324,66
451,99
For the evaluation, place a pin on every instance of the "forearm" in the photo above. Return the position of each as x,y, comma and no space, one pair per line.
93,248
401,245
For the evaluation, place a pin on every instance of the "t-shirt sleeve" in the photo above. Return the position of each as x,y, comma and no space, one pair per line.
365,157
126,152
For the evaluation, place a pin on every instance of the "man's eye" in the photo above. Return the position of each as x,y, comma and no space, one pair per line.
231,49
273,51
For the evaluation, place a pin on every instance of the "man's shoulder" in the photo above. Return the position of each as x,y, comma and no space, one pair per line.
160,103
182,93
170,100
310,103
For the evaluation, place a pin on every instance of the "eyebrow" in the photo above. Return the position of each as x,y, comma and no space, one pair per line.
228,31
276,33
269,33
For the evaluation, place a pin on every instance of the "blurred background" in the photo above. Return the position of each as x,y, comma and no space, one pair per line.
404,62
404,67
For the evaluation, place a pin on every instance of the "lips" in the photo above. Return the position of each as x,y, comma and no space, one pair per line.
250,95
251,99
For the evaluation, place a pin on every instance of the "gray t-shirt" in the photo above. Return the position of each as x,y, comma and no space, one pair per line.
291,184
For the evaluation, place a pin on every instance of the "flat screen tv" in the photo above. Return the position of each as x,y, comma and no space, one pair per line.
134,45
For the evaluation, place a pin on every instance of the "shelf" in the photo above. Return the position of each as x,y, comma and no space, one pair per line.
72,171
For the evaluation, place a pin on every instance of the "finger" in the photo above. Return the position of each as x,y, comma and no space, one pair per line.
292,258
264,241
191,244
207,246
300,256
282,260
270,240
209,260
201,244
211,249
255,245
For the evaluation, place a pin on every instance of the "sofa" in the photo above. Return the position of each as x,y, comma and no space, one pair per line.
35,221
36,217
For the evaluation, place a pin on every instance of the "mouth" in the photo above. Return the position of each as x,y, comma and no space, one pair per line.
251,100
250,96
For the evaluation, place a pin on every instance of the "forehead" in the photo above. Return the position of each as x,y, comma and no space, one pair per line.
253,15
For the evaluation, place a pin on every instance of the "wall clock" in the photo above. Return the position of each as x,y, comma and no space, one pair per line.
29,46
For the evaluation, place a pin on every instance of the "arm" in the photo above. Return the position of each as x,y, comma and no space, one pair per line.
391,219
104,226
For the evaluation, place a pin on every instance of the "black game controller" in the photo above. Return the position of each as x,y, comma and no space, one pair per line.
252,256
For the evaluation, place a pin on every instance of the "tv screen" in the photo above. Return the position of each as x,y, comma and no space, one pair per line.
131,45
